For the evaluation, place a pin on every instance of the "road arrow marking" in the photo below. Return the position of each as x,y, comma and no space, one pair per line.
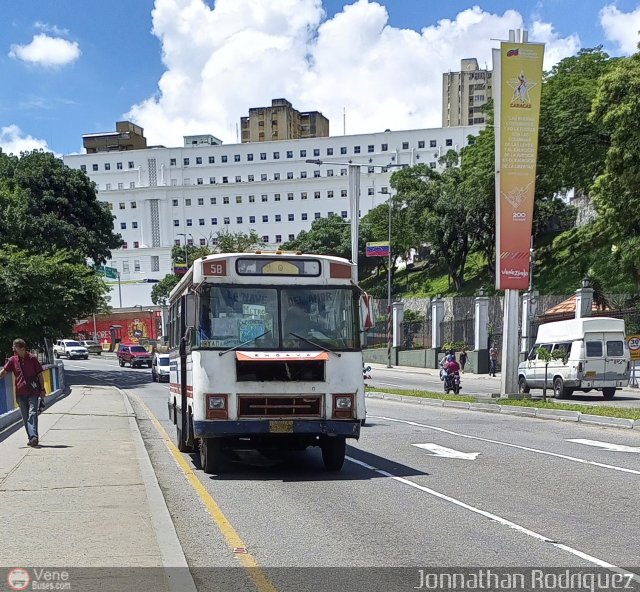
607,445
443,452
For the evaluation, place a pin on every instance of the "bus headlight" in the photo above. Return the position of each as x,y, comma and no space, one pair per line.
343,406
217,406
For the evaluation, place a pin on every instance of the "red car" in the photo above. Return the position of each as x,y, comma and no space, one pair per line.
134,355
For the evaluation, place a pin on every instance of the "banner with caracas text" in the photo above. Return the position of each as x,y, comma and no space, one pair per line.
519,87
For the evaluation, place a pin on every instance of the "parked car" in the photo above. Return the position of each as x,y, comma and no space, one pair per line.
93,347
160,368
592,354
134,355
68,348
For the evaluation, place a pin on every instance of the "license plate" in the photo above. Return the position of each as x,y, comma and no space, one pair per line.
284,426
591,374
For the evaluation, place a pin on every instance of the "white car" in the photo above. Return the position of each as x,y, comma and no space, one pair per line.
69,349
160,368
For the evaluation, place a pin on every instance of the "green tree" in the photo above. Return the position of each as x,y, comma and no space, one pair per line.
238,242
47,206
616,192
42,294
160,291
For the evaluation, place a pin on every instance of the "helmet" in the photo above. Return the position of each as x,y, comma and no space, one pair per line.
450,358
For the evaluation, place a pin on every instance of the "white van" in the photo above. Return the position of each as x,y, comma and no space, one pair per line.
598,358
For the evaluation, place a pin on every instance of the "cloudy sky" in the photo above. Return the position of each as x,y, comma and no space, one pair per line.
180,67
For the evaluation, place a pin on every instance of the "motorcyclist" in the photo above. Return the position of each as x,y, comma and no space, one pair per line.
451,367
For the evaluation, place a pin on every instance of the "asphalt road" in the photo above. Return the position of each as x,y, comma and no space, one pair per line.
481,491
404,377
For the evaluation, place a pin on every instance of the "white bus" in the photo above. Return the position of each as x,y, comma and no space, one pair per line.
266,352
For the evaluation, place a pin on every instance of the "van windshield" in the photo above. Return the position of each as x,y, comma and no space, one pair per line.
163,361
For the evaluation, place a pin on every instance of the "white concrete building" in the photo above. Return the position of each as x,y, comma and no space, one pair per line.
161,197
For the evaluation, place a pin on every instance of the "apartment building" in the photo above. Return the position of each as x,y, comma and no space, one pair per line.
282,122
161,197
464,94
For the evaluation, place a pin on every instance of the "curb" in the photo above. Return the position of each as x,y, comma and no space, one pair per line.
535,412
177,573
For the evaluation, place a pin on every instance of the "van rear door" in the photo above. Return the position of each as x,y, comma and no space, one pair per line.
594,366
616,358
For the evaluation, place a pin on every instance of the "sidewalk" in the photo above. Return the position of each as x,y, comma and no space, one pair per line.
434,372
87,497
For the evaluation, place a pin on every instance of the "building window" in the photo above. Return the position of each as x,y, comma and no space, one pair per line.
185,161
125,265
303,216
276,155
252,199
263,197
265,238
405,145
136,265
370,191
172,162
276,176
212,180
134,225
303,153
176,243
290,196
292,236
316,195
250,178
278,218
238,219
190,242
199,180
317,216
107,166
263,176
265,218
330,193
420,143
432,143
238,179
303,195
201,221
174,202
371,169
329,151
198,159
155,263
291,217
225,179
278,238
263,156
132,185
212,159
123,225
187,202
316,152
356,149
343,150
290,175
238,198
343,172
370,148
226,220
189,222
121,205
249,157
276,197
108,186
432,165
223,158
225,199
94,167
236,158
120,185
384,147
448,142
203,242
343,213
213,201
201,201
289,153
303,174
252,219
214,221
316,174
110,206
343,193
136,245
329,172
83,168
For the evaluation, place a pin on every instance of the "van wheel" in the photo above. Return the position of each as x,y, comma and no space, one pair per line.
559,390
608,393
210,455
523,387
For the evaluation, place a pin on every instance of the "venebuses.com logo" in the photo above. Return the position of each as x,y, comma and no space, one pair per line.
18,578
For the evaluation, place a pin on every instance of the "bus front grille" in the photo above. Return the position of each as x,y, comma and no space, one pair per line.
279,406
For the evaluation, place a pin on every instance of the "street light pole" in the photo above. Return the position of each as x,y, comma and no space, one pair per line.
389,312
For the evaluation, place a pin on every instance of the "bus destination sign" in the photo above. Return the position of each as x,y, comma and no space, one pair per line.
277,266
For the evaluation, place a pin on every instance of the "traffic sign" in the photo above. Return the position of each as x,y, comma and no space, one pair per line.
108,272
634,346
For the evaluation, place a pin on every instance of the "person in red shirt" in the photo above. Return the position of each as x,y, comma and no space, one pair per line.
29,386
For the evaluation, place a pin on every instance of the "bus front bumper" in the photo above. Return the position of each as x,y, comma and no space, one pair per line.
319,427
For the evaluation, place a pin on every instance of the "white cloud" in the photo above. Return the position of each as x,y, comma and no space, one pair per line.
242,53
14,141
621,27
48,52
47,28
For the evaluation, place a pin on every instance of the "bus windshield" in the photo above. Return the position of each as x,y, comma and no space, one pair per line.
273,318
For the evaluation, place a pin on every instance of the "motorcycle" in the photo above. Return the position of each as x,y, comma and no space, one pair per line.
366,372
452,382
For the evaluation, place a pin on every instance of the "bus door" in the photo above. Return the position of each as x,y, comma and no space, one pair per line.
187,323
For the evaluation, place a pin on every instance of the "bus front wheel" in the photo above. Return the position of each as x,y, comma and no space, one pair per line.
333,452
210,455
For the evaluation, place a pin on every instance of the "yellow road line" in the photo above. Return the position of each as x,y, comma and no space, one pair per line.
229,533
